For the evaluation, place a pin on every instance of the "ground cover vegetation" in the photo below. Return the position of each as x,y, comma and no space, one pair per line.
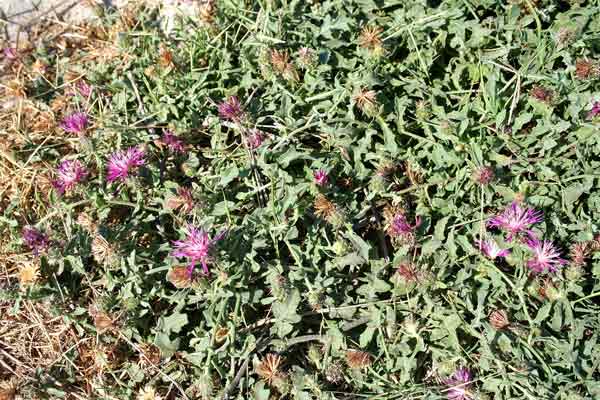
304,200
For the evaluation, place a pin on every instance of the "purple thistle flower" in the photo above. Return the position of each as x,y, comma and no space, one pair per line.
231,109
75,123
70,173
321,177
84,88
10,53
595,110
255,139
515,220
35,240
400,226
546,257
173,142
459,385
196,247
122,162
483,175
490,249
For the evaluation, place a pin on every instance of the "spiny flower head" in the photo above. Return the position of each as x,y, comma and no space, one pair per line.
84,88
579,252
28,276
401,227
231,109
334,373
357,359
408,272
148,393
595,110
483,175
499,319
196,247
369,38
490,249
306,57
279,60
35,239
321,177
207,12
255,139
325,208
122,163
75,123
564,36
585,69
269,368
459,385
546,257
366,100
173,142
86,222
515,220
70,173
180,277
542,94
183,200
10,53
103,252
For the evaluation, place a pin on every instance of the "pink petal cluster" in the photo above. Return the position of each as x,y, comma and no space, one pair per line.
321,177
459,385
75,123
84,88
595,110
10,53
490,249
35,239
70,173
173,142
122,163
184,200
231,109
515,220
401,227
483,175
255,139
546,257
196,247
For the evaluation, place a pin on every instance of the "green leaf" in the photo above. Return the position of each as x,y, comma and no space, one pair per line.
431,246
359,244
167,346
389,139
440,226
350,259
366,336
229,175
174,322
543,313
286,314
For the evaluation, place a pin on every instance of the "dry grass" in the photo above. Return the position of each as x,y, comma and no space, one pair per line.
32,338
36,339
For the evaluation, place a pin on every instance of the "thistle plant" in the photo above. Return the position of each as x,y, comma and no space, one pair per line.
409,190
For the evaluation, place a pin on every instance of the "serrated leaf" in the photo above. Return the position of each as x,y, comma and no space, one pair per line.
174,322
543,313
